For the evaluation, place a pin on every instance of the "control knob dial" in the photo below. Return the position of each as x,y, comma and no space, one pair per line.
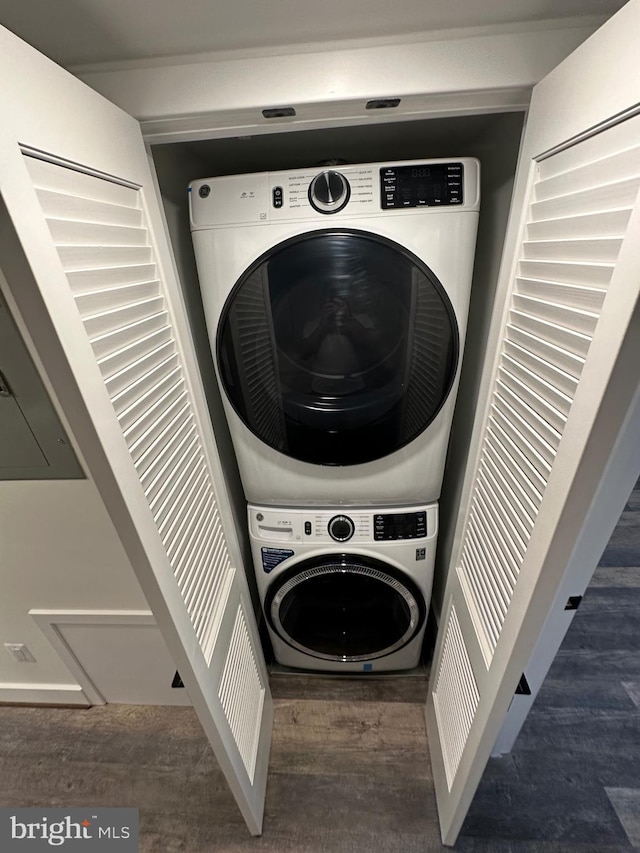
341,528
329,192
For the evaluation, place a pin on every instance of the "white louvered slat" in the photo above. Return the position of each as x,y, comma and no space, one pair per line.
555,398
160,429
596,274
622,166
578,215
599,198
495,597
112,320
145,424
117,364
100,233
72,233
242,698
544,309
569,362
609,223
132,331
47,176
181,530
577,296
576,343
476,574
586,249
158,363
170,455
503,412
99,281
66,206
76,258
455,695
156,390
136,369
158,442
96,301
490,541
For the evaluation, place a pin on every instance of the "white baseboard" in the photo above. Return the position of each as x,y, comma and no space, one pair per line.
42,694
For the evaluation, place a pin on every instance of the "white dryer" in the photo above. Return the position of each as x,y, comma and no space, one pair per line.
345,591
336,303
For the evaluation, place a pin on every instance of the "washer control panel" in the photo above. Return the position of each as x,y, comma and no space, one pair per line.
318,526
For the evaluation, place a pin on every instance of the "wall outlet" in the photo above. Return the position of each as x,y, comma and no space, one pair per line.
20,652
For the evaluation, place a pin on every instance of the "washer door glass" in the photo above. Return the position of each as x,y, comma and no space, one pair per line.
337,347
345,607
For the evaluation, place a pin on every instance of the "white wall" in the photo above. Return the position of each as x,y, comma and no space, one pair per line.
59,551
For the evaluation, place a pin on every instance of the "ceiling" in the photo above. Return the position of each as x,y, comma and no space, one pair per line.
81,32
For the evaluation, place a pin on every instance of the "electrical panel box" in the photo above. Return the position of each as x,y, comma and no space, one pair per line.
33,443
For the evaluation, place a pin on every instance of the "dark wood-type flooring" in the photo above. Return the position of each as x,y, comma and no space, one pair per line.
350,770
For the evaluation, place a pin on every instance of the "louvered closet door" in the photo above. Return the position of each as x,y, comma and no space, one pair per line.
565,346
89,275
582,200
103,243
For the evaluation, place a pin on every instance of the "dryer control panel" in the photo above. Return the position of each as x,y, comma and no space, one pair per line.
421,185
334,194
343,525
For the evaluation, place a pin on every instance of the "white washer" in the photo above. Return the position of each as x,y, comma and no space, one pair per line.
336,303
345,591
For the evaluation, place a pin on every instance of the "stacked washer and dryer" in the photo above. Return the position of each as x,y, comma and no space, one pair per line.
336,303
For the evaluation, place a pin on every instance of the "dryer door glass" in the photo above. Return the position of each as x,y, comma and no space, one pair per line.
345,607
337,347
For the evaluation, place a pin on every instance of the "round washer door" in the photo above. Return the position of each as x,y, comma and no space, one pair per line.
337,347
345,607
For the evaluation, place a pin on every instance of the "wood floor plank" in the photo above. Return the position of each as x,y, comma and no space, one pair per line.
353,738
370,688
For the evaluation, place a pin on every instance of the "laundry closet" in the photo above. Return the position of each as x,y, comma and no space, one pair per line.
547,409
493,139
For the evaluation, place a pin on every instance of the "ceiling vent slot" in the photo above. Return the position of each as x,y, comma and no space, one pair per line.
279,112
383,103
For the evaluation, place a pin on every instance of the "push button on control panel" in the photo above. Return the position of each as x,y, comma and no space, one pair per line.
278,197
307,528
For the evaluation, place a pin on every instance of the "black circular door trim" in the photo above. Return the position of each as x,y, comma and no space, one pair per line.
332,564
274,431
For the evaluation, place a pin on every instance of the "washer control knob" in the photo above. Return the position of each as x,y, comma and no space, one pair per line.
329,192
341,528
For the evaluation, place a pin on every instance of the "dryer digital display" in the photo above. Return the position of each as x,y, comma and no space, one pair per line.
421,185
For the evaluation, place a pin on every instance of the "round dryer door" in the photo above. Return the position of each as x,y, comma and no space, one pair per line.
345,608
337,347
